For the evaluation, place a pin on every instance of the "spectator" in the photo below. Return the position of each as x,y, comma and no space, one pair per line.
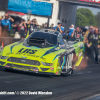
38,26
32,24
86,32
15,27
63,32
91,31
59,27
22,28
77,33
52,26
42,25
90,46
99,42
6,25
71,31
95,43
16,30
1,17
46,25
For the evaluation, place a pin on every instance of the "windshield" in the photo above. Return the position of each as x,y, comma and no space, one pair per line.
45,39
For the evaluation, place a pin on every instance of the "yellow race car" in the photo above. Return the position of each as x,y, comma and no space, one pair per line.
44,51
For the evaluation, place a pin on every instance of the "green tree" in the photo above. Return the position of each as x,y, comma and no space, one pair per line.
81,20
89,15
98,19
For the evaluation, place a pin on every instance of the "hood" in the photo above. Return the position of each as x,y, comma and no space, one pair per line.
19,50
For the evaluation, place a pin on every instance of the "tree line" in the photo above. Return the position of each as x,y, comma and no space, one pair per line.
85,17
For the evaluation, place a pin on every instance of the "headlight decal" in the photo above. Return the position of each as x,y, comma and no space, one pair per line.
4,57
46,64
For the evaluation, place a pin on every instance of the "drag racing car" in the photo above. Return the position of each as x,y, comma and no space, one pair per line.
44,51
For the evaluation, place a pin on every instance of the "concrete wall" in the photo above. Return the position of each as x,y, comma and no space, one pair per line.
68,14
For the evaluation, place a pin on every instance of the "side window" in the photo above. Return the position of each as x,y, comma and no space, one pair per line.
61,40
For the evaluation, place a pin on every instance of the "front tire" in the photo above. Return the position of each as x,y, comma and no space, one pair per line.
68,68
71,72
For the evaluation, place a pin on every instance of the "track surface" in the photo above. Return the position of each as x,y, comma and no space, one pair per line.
82,84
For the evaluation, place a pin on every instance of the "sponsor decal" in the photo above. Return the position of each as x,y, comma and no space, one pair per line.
35,70
9,53
23,57
51,68
7,66
26,51
95,1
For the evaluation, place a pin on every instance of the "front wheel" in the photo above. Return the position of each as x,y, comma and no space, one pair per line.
67,69
71,72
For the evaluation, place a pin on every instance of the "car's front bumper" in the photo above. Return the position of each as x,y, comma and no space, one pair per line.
29,68
36,72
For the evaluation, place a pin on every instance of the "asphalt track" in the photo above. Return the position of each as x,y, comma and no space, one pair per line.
81,85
